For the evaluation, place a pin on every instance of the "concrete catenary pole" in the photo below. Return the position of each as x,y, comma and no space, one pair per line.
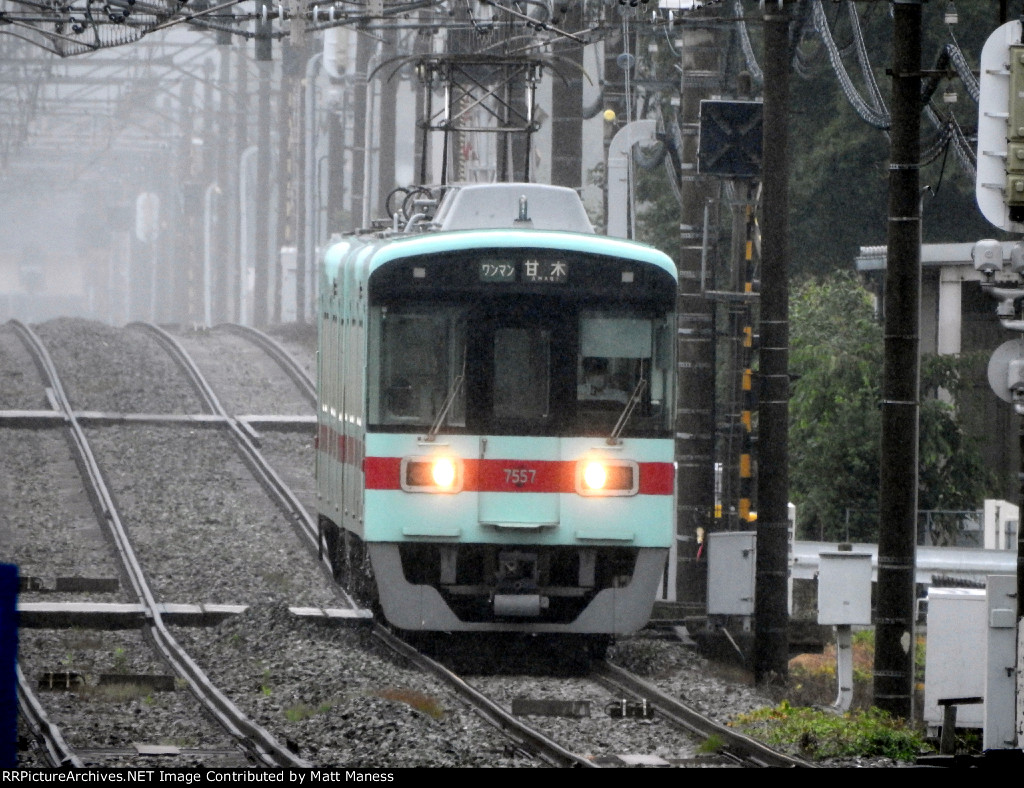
241,139
695,411
894,624
387,127
211,191
290,156
264,159
359,144
567,107
228,148
771,616
303,131
186,251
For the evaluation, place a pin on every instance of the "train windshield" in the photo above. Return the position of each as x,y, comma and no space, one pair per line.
622,357
419,365
519,366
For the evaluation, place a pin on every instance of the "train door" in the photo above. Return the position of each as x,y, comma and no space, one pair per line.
519,381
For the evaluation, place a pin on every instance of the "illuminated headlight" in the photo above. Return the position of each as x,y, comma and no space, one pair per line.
442,470
438,474
607,477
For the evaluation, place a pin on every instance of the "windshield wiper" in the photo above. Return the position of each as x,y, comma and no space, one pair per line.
448,401
634,400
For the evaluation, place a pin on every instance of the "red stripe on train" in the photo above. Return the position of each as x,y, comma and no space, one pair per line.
347,449
545,476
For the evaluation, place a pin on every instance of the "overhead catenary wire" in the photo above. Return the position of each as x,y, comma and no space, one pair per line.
748,50
870,104
874,112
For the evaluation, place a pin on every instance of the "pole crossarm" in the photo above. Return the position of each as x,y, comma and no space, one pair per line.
480,82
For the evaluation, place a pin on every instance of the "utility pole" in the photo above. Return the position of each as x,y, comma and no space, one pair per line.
771,613
894,625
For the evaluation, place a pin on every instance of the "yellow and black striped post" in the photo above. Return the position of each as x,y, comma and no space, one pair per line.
746,465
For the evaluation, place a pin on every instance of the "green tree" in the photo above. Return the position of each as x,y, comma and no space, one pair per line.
836,355
834,435
953,475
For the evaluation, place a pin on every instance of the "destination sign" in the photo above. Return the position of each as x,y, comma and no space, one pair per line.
550,271
530,270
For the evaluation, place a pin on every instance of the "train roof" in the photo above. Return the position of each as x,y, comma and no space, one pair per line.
537,206
493,216
374,253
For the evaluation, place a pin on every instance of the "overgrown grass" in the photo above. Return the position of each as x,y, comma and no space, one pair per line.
820,734
303,711
713,744
804,722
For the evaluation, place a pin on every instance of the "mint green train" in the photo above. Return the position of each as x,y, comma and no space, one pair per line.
495,420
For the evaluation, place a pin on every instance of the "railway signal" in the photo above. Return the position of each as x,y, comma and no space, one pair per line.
999,187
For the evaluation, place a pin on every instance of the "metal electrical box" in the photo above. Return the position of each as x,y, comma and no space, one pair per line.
844,588
1001,661
956,655
731,566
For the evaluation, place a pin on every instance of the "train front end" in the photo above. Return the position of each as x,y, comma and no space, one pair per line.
519,458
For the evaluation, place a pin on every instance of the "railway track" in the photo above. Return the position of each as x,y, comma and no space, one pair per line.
309,643
258,745
731,746
244,439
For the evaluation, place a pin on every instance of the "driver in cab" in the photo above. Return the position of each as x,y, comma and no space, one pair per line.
597,384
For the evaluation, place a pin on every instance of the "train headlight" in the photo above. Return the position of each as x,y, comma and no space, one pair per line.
443,472
436,474
595,475
607,477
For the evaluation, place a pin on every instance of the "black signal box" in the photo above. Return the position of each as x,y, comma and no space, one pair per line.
730,138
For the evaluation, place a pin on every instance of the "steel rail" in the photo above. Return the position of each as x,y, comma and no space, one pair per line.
528,739
742,748
253,739
287,362
304,523
58,752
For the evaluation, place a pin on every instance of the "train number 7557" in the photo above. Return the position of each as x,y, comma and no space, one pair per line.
520,476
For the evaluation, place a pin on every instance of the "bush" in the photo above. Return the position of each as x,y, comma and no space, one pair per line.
820,734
